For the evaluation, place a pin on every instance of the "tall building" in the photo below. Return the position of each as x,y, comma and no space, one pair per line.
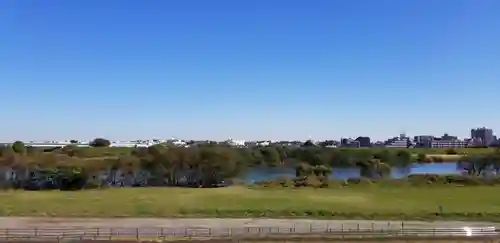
483,135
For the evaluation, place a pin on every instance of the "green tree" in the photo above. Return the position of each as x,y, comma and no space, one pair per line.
100,142
402,158
476,164
383,155
18,147
374,168
271,156
308,143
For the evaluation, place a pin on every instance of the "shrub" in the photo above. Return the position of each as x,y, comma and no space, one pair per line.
451,151
457,180
412,180
18,147
100,142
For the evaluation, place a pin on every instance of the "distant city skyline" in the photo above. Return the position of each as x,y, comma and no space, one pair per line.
410,135
250,70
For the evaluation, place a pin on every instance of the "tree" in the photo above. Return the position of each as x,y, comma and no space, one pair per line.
18,147
311,155
481,164
383,155
271,156
374,168
308,143
402,158
100,142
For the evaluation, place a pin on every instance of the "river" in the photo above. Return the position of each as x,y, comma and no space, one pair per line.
256,174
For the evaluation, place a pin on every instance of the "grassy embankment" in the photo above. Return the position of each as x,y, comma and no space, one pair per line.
369,202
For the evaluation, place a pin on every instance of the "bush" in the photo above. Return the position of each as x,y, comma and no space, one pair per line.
457,180
18,147
100,142
451,151
280,182
412,180
314,182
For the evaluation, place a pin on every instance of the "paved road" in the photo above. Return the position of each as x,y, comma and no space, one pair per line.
30,222
216,227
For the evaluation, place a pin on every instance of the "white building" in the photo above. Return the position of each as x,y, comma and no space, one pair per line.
236,143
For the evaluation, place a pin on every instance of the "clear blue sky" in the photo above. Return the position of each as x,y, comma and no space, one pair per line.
249,69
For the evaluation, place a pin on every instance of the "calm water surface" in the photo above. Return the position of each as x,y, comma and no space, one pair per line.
255,174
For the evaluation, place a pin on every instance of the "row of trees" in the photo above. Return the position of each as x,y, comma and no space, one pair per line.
271,156
204,165
207,165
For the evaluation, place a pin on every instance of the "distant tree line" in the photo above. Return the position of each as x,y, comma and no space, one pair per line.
206,165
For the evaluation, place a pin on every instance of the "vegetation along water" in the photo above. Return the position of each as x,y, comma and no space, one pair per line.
310,192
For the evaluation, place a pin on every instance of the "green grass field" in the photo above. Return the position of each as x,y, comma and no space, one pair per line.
356,202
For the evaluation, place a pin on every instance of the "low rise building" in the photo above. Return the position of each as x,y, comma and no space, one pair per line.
402,142
439,143
349,143
364,142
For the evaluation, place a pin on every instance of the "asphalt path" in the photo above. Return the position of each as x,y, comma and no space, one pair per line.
202,227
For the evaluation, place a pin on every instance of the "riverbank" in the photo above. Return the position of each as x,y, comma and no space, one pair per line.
363,202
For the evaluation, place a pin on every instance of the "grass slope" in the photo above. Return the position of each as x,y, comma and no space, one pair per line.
478,203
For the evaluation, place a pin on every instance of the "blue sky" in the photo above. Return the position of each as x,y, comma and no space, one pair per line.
249,69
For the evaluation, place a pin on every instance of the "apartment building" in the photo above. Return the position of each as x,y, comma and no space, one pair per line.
439,143
482,134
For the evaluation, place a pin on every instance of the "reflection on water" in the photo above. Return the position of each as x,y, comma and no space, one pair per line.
262,174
